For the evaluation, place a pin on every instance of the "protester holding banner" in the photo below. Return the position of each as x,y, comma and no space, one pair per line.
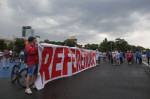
32,62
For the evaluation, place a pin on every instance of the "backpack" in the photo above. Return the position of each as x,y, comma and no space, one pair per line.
25,56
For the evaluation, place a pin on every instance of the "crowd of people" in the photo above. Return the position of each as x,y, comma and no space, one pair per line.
8,56
30,57
117,57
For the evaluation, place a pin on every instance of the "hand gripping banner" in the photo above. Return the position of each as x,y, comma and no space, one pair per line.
62,61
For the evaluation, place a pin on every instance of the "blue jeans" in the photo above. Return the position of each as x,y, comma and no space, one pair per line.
32,70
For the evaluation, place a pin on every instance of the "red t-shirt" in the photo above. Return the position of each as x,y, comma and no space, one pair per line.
6,54
32,54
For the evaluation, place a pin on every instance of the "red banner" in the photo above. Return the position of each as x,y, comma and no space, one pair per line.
62,61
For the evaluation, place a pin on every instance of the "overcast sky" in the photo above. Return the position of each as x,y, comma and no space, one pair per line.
89,20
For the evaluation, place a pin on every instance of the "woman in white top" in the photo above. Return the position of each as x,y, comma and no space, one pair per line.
114,57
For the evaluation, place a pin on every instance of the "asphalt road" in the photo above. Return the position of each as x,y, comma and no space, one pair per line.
101,82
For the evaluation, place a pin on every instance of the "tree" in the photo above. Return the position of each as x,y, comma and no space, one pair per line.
91,46
3,45
10,45
52,42
19,44
70,43
87,46
104,46
121,44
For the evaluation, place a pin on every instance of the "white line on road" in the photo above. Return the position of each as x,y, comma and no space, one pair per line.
146,64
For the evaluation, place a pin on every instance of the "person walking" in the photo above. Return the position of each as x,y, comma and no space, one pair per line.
6,56
32,62
148,56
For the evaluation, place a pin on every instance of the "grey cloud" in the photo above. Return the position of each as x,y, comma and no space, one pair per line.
59,19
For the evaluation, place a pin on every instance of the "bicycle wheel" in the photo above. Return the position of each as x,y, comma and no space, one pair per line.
22,78
14,73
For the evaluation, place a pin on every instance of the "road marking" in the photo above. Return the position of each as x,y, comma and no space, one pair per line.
146,64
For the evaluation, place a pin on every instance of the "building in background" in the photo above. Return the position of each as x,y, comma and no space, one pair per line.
27,31
73,38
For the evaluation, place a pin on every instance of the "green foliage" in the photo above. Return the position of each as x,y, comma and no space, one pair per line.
19,44
70,43
91,46
10,45
105,45
52,42
119,44
3,45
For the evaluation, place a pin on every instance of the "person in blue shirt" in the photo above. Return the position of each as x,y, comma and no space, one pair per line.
137,56
111,58
148,56
121,56
140,57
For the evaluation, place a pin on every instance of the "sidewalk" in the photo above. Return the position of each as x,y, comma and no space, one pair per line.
7,71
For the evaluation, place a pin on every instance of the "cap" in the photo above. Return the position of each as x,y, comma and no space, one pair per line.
31,38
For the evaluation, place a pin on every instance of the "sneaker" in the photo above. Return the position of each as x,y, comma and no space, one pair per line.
28,91
7,67
34,87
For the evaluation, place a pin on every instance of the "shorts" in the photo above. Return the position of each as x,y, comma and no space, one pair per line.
32,70
118,60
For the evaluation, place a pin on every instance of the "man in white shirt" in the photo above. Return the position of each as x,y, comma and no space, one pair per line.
114,57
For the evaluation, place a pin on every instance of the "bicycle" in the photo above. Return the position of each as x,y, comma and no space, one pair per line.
20,75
